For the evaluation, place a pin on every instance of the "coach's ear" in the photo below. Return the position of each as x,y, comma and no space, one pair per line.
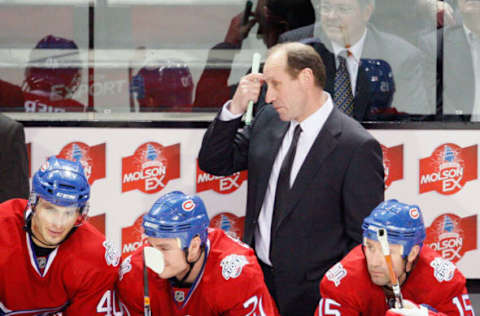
411,257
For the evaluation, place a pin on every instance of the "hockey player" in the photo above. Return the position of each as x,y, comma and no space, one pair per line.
205,271
52,262
360,284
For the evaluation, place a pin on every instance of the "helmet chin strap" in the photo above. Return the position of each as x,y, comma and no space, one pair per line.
190,265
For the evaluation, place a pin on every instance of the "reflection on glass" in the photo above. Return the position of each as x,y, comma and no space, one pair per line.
272,18
163,85
345,29
52,75
88,60
461,63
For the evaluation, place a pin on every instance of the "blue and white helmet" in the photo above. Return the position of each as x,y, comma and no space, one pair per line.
176,215
61,182
403,222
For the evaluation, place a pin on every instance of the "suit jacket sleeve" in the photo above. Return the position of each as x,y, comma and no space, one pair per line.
224,148
363,189
13,162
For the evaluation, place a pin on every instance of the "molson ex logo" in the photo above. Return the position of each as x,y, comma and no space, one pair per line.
132,237
452,236
448,169
150,168
230,223
219,184
392,164
92,158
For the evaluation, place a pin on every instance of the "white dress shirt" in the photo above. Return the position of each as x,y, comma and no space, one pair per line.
311,126
353,61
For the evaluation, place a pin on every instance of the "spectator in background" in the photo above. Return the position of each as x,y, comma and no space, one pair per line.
52,76
273,17
346,40
457,50
13,158
408,19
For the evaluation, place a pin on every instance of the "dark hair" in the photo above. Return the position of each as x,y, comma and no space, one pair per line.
301,56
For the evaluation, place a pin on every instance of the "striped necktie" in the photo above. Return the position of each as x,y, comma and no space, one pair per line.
343,96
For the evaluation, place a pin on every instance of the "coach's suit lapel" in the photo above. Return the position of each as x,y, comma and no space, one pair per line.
321,149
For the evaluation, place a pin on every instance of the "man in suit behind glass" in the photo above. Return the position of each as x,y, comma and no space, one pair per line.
458,63
335,178
345,30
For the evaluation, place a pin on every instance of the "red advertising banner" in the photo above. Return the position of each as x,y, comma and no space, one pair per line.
230,223
92,158
219,184
150,168
452,235
448,169
132,237
392,163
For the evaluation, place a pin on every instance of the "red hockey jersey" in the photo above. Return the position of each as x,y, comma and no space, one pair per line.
230,283
346,289
78,277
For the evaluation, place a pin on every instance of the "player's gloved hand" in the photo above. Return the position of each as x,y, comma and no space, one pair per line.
409,309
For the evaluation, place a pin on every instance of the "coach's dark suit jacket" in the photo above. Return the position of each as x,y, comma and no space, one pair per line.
406,61
339,183
13,160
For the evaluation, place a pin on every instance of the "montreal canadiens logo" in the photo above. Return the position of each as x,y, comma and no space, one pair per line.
448,169
188,205
414,213
44,166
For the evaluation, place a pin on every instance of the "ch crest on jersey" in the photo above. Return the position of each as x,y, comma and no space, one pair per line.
112,255
232,266
336,273
443,270
179,296
125,267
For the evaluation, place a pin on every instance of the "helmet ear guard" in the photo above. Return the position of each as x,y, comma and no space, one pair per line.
403,223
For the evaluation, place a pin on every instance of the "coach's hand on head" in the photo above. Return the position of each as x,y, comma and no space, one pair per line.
248,90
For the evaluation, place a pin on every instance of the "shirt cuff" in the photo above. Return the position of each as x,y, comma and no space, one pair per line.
226,115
